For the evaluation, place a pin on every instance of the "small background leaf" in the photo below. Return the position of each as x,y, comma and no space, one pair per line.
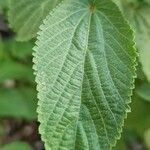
16,146
19,50
147,138
18,103
16,71
144,91
26,16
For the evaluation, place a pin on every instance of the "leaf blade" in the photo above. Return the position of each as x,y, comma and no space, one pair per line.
137,12
89,46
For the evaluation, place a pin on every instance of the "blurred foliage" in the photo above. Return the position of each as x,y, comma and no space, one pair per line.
144,91
28,11
4,4
22,99
17,86
17,80
147,137
137,125
17,146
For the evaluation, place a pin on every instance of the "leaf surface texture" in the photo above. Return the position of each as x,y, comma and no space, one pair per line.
84,66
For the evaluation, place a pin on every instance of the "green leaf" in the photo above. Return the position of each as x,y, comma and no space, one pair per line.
18,103
17,146
138,13
25,16
84,66
143,38
16,71
138,121
4,4
19,50
139,118
1,49
147,138
118,2
144,91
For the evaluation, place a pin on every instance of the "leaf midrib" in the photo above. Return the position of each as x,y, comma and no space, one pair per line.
82,17
86,49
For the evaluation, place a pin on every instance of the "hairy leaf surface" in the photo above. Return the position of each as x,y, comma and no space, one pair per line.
84,65
25,16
